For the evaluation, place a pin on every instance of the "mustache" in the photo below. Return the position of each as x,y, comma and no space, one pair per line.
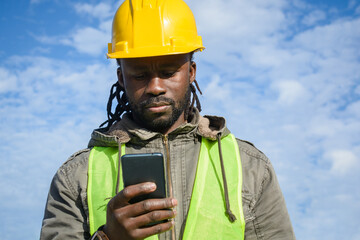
156,100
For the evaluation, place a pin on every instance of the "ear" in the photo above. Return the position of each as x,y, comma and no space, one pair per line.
120,77
192,70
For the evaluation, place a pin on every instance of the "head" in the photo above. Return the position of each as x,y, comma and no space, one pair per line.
159,92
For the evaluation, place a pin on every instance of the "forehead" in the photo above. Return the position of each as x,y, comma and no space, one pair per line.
151,62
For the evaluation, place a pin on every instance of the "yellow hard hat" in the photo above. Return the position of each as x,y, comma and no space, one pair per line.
147,28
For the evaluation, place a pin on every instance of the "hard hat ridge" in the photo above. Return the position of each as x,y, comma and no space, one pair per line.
144,28
139,4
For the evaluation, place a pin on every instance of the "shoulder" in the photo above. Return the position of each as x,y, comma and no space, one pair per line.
249,150
76,161
66,208
256,168
73,172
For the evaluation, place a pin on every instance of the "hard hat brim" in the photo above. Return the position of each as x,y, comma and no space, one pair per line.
153,52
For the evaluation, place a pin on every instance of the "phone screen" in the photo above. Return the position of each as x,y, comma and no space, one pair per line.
144,167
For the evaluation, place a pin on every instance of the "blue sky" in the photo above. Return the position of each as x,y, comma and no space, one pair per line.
285,74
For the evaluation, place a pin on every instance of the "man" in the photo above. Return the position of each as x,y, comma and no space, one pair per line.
219,187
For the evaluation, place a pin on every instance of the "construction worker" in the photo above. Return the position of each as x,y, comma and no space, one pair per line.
219,187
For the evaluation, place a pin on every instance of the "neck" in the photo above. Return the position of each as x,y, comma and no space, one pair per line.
181,120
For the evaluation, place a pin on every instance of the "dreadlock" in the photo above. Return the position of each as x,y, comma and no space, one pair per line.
117,92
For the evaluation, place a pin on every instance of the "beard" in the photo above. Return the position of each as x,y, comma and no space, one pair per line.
159,122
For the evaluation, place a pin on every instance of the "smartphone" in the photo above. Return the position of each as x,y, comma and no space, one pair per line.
144,167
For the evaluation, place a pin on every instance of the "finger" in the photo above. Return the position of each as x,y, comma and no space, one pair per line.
142,233
123,197
154,217
150,205
144,207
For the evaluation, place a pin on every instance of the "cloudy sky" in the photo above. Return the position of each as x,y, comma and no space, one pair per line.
285,74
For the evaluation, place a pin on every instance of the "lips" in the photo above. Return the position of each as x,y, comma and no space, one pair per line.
157,104
157,107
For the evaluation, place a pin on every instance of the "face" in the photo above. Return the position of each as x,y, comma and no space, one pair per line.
158,89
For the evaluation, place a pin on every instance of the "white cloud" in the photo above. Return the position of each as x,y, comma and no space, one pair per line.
8,81
53,91
88,40
323,125
314,17
215,90
289,91
238,23
343,161
332,39
353,109
91,40
101,10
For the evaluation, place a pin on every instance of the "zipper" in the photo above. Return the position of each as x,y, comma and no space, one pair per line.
168,166
168,173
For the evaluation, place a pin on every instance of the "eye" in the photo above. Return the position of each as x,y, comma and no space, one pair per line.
139,76
168,73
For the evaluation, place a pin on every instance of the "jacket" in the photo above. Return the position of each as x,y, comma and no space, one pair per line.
266,216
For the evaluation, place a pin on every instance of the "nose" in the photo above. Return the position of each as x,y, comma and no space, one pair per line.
155,86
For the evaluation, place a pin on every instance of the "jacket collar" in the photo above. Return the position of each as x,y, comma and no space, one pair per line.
126,130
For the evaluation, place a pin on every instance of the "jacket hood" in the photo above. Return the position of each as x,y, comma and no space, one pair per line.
126,130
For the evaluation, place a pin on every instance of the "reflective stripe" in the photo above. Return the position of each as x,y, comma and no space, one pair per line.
206,217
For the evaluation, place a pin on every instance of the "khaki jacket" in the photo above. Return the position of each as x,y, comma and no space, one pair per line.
266,216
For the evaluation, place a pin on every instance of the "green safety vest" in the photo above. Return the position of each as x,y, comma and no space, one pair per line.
206,217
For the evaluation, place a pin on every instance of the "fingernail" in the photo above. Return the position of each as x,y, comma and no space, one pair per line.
150,186
174,202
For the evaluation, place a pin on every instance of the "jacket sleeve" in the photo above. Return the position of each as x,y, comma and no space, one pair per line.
266,215
65,212
272,220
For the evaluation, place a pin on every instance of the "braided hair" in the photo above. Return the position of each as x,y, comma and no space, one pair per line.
117,92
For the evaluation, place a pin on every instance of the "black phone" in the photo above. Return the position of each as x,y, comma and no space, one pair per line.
144,167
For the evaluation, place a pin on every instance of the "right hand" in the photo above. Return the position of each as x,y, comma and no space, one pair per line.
127,221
